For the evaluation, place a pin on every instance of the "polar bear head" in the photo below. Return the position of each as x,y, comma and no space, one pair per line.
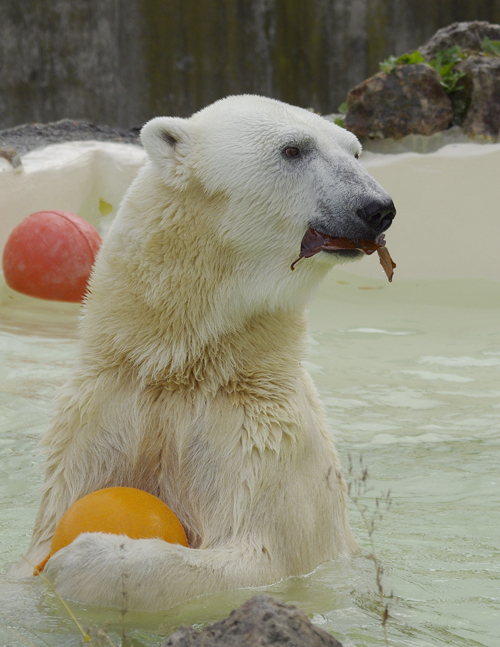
283,170
211,225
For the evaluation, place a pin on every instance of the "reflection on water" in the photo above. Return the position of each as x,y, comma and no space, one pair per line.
409,375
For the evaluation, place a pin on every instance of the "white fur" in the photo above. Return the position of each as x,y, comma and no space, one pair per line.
189,381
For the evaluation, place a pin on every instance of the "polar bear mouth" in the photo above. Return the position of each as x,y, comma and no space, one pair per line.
315,241
351,247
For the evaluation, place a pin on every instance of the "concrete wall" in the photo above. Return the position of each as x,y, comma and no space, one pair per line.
120,62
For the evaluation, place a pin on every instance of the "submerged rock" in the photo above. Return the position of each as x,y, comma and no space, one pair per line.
409,100
261,621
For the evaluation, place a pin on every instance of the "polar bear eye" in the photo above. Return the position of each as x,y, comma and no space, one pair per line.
356,155
291,151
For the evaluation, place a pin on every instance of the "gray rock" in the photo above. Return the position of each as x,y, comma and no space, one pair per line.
467,35
409,100
260,622
11,155
480,96
476,100
30,136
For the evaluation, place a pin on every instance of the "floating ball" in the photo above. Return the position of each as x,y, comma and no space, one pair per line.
118,511
50,256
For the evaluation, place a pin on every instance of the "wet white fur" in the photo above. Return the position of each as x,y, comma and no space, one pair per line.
189,382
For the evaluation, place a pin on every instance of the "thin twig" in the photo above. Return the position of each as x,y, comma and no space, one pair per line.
86,637
357,487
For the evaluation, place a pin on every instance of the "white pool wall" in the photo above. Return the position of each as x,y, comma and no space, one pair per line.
72,176
448,201
448,211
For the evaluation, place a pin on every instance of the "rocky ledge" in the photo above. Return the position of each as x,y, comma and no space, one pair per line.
452,80
27,137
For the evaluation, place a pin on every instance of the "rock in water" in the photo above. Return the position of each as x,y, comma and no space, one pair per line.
261,621
409,100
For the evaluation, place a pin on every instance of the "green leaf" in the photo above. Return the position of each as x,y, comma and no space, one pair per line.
389,64
445,70
447,57
405,59
444,62
449,82
104,207
491,46
411,59
339,121
343,108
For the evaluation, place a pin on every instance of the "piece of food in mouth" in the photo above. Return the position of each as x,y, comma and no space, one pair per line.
315,241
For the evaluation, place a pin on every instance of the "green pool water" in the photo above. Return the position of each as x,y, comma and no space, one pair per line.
409,375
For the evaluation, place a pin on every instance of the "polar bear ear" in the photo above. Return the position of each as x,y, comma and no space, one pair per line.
168,142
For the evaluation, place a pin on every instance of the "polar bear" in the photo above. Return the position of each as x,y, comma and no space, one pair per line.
189,381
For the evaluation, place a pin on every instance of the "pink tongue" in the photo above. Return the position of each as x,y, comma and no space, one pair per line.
314,242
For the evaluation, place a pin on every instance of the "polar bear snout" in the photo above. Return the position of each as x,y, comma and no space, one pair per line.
378,214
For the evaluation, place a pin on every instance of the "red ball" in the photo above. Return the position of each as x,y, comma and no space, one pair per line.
50,256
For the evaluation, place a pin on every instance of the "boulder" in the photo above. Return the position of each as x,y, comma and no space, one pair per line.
480,96
467,35
260,622
408,100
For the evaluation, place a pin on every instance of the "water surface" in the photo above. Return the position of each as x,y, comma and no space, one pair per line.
409,375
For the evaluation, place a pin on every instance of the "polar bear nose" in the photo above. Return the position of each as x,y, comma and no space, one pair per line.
379,215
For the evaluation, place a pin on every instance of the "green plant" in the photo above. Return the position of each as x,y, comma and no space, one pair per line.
491,47
405,59
343,111
389,64
443,63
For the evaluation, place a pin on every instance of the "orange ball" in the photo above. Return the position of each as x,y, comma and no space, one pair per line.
50,255
118,511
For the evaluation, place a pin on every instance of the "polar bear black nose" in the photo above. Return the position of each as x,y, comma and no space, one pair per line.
379,215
